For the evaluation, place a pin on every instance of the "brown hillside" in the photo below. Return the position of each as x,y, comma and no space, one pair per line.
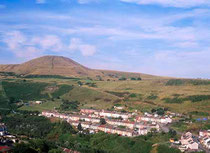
58,65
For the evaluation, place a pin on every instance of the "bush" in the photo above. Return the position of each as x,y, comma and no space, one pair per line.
152,97
133,78
198,98
69,105
174,100
133,95
122,79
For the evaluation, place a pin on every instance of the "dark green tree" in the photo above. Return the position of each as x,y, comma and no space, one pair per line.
79,127
139,78
102,121
172,133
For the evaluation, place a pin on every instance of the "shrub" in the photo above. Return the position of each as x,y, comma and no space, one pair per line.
152,97
198,98
174,100
122,79
69,105
133,95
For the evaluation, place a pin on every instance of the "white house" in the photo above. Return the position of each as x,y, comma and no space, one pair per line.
38,102
3,129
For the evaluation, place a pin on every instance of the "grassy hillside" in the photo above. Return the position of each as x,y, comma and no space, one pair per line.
155,92
89,97
190,97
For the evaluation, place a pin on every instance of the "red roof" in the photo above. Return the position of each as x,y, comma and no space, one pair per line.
4,148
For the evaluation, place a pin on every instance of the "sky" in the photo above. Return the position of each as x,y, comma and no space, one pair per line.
160,37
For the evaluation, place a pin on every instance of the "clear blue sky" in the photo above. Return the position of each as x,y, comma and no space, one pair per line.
162,37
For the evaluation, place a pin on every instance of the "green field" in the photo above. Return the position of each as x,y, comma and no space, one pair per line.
49,105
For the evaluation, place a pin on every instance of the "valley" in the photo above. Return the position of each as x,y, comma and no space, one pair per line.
25,93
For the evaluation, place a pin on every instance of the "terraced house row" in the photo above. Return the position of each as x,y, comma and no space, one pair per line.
116,122
205,138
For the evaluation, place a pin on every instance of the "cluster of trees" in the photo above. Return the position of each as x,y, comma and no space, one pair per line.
69,105
37,146
197,98
25,91
132,78
176,100
159,111
8,74
90,84
29,125
136,78
193,98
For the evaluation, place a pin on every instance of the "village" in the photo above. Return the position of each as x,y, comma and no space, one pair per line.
131,125
124,124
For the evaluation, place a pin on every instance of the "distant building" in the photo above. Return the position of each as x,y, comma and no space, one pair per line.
188,142
3,129
116,122
204,133
205,138
118,107
38,102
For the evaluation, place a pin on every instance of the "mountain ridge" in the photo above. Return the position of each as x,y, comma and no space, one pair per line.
59,65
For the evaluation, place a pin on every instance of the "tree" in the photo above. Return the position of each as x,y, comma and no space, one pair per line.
22,147
133,78
153,110
79,83
160,111
55,151
172,133
79,127
102,121
139,78
153,130
122,78
11,100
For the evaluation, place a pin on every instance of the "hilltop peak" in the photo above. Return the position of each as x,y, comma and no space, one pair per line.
59,65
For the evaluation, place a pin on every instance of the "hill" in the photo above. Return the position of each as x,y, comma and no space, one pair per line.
58,65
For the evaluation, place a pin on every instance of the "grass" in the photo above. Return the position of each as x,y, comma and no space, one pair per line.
49,105
63,89
134,95
157,87
89,97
